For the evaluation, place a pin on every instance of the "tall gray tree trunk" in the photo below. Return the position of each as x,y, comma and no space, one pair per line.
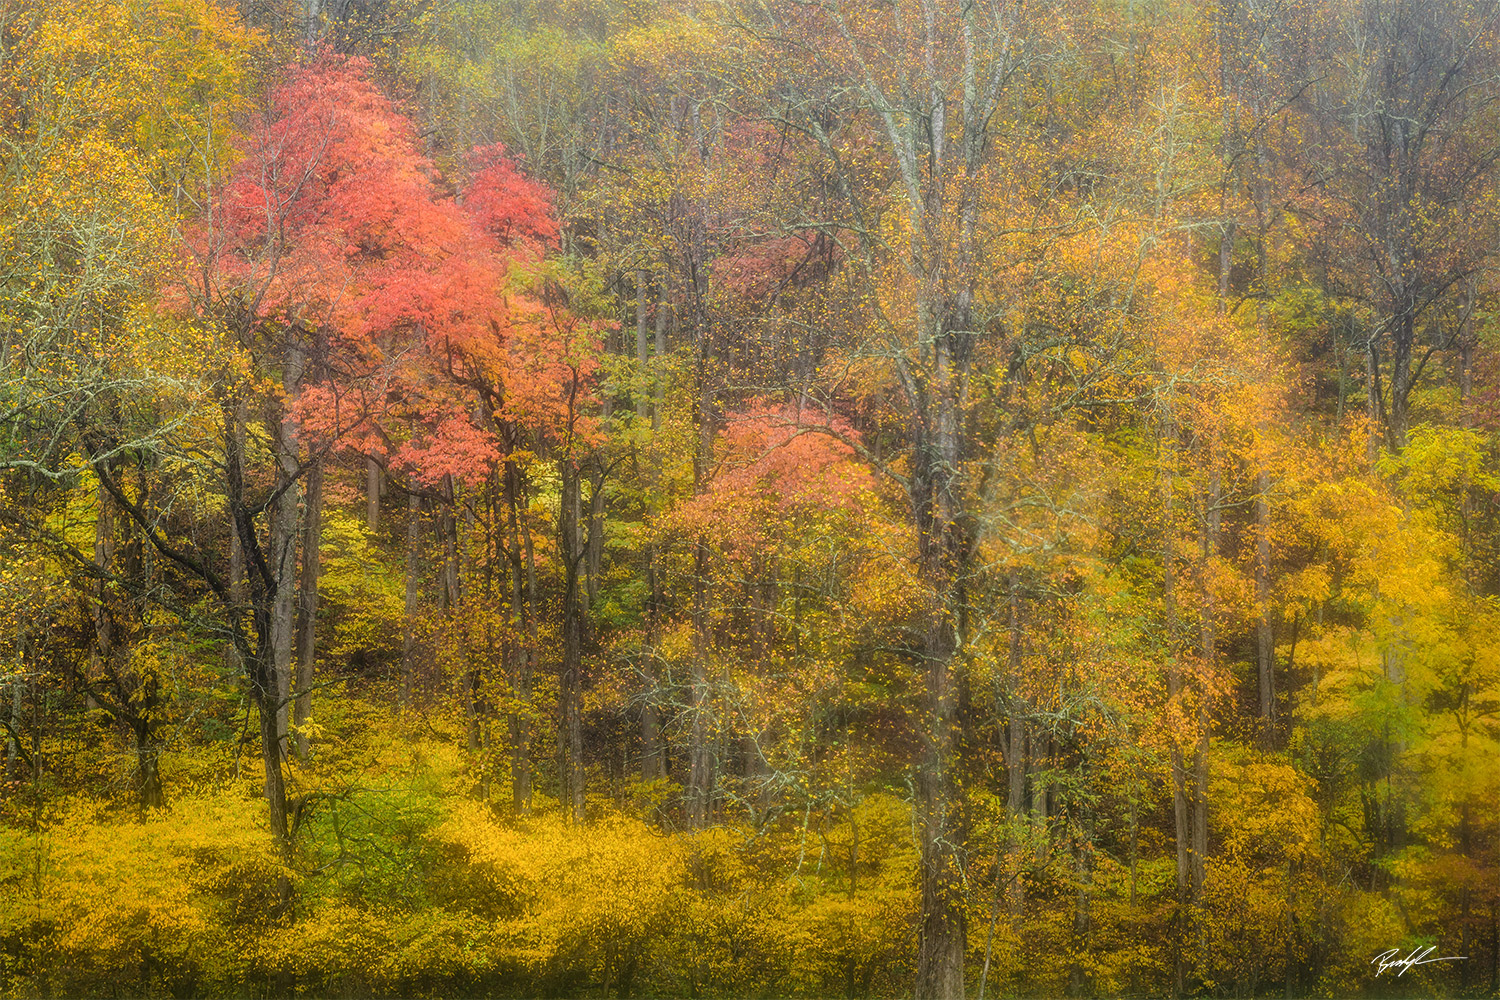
104,551
1180,824
653,767
372,495
593,537
448,525
310,23
147,765
237,589
653,753
523,614
1212,526
1083,925
1374,393
570,687
702,757
285,516
13,755
1403,335
1265,638
307,604
659,381
642,354
701,763
1015,752
959,63
942,557
413,571
271,755
256,649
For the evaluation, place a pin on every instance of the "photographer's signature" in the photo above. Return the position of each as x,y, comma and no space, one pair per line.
1392,959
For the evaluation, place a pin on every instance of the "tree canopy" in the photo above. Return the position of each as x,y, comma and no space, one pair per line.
749,497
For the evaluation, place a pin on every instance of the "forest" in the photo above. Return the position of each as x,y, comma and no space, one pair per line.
750,498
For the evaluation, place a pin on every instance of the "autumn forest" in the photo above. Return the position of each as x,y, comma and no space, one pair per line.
749,498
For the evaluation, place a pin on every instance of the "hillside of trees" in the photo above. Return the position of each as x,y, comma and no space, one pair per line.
749,498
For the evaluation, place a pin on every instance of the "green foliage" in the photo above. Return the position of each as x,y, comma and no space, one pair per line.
361,594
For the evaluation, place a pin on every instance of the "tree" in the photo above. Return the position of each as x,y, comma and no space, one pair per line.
1402,150
93,376
912,67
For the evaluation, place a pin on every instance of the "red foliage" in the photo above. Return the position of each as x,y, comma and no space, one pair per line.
800,458
334,225
776,466
511,207
762,269
1484,404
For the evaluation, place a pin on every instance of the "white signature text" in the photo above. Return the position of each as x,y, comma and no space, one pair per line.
1392,959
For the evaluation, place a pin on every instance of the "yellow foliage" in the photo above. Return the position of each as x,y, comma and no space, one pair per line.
155,905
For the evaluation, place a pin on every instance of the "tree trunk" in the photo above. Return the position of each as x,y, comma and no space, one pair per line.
1038,754
271,754
702,766
653,767
1467,342
448,525
1265,644
1374,394
1403,335
260,588
941,550
372,495
413,569
663,310
283,554
570,686
653,764
307,604
1015,753
593,535
1181,832
653,757
1226,259
1212,523
13,756
148,772
533,615
522,646
236,544
310,23
104,551
701,777
958,65
642,355
1083,873
943,935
